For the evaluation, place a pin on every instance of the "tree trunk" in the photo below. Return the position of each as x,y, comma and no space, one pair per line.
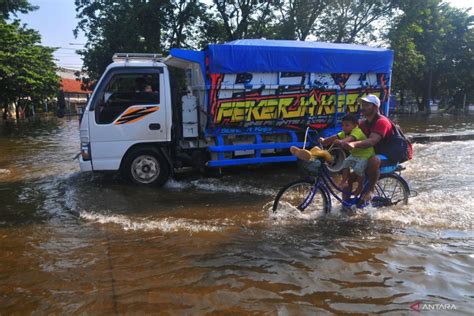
427,91
402,98
428,99
464,103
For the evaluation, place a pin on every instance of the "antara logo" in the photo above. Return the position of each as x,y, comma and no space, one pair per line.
416,307
419,306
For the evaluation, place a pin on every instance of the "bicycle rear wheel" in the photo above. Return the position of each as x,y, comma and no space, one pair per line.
390,189
301,195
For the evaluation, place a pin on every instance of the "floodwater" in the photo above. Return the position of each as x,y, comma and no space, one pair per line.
75,243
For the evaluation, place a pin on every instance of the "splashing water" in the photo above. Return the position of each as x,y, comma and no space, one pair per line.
165,225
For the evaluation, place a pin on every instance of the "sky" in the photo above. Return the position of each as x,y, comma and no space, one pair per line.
56,19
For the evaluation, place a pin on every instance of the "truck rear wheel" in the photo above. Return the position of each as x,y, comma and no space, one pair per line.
146,166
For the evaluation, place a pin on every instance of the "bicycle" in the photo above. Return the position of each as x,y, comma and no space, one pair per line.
313,192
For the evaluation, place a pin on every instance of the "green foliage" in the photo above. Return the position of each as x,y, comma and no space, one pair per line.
245,18
342,21
8,7
433,44
123,26
298,18
354,21
27,69
455,71
212,31
185,17
151,26
157,25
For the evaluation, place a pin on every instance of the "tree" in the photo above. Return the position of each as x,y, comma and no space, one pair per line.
212,30
8,7
244,18
433,50
27,69
183,28
351,21
117,26
298,18
409,62
455,71
151,26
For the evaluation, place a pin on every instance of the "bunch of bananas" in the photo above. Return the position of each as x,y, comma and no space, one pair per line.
318,152
314,152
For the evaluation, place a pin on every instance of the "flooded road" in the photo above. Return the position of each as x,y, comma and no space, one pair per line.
83,243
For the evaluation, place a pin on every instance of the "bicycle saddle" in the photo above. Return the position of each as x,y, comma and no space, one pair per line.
387,166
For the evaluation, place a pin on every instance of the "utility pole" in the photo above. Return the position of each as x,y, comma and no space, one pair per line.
428,109
464,103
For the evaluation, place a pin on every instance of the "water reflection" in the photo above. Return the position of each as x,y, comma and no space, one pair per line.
436,123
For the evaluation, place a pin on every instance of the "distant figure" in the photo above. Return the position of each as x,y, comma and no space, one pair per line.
61,103
140,84
147,88
5,112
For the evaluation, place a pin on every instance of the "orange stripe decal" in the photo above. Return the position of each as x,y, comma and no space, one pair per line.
135,114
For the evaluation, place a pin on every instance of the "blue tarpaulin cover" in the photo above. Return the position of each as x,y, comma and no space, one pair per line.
255,55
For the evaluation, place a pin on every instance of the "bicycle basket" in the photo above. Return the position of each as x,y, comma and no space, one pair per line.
311,168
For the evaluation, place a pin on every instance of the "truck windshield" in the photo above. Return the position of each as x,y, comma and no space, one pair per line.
126,90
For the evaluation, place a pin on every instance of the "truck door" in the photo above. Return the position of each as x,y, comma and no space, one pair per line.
128,108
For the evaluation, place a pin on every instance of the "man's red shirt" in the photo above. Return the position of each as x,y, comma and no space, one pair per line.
382,126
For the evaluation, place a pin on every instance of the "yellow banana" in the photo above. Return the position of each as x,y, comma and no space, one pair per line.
318,152
306,155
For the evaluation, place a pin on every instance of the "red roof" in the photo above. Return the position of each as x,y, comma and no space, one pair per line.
72,86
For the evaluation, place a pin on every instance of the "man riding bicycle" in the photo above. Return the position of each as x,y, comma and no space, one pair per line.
378,130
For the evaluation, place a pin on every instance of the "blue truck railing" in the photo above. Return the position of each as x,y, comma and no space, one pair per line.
258,146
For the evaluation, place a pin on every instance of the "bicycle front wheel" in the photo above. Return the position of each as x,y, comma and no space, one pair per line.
390,189
301,195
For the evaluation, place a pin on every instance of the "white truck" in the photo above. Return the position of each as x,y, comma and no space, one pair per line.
246,102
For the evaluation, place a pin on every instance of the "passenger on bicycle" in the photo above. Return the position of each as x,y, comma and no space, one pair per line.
358,158
378,129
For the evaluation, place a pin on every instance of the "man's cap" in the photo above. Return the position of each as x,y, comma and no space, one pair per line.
372,99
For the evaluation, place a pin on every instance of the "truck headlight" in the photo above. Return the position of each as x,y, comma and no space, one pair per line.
86,151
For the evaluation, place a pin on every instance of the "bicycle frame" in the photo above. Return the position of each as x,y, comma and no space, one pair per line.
324,182
327,185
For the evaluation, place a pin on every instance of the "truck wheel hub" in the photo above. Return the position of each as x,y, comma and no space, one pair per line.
145,169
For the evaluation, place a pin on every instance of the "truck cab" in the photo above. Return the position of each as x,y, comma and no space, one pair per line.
129,113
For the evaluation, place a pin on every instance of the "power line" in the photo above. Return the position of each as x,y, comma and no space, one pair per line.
68,48
66,64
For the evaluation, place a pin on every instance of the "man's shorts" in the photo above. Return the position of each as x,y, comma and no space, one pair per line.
358,165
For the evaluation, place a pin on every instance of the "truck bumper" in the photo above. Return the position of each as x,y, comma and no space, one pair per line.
85,165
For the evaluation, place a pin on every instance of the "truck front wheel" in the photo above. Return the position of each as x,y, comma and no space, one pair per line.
146,166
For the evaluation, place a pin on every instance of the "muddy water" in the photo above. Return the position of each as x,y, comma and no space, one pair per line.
82,243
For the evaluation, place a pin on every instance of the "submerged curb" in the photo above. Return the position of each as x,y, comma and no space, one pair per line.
439,138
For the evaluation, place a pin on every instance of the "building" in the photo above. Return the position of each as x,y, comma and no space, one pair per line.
74,96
